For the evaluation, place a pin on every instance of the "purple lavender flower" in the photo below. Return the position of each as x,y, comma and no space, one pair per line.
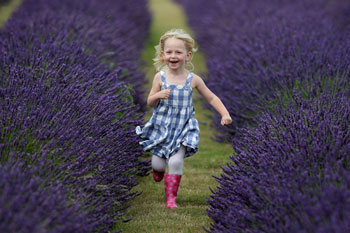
67,106
259,51
29,204
290,173
282,70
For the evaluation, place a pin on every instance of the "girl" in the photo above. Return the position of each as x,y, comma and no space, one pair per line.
172,133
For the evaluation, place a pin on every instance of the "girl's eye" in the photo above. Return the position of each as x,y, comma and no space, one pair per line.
178,52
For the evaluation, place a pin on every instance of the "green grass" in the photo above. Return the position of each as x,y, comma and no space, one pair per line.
148,210
7,9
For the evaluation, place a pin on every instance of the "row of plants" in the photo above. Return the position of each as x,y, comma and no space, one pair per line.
282,68
256,51
69,154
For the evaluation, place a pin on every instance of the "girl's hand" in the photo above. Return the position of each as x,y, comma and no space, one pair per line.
164,94
226,119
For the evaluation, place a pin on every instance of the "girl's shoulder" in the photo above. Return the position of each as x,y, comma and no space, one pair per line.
158,77
157,80
196,80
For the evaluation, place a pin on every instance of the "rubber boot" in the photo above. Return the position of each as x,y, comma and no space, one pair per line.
171,182
158,176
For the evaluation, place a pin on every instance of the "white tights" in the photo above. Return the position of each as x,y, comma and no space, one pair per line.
175,162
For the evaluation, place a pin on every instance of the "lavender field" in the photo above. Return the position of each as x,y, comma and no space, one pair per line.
71,93
282,68
68,109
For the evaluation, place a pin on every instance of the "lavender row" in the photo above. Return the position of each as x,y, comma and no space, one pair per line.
68,112
258,51
282,68
290,173
29,207
114,35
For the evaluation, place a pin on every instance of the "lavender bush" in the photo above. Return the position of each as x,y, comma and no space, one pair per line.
290,173
29,204
339,11
259,51
282,69
68,109
112,32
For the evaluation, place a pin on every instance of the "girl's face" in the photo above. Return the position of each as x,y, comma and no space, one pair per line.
175,54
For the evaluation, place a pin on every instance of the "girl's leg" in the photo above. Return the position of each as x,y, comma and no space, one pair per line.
176,162
172,180
159,166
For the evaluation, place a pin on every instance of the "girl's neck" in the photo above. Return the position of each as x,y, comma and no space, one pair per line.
180,72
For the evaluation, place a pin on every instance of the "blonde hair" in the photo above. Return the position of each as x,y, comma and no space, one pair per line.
178,34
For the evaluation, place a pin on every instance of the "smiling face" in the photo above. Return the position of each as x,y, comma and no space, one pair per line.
175,54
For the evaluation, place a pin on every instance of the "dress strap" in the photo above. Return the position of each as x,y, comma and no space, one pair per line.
189,79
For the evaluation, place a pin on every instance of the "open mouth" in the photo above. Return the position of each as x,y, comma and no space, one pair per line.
174,62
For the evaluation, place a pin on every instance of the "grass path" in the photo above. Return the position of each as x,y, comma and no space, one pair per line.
148,210
6,10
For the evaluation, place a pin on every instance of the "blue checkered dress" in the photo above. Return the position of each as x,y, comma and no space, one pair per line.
172,123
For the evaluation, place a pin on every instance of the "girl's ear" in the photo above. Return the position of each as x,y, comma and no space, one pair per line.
189,55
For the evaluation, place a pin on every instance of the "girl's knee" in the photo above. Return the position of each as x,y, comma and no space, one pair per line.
158,163
176,163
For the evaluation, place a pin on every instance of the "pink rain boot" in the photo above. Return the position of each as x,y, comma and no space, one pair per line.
171,182
158,176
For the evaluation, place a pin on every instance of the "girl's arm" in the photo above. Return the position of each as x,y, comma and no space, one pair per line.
156,93
212,99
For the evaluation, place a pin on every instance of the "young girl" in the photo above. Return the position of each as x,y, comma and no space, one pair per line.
172,133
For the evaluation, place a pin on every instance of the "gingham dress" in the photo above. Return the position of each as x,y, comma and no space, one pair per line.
172,123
